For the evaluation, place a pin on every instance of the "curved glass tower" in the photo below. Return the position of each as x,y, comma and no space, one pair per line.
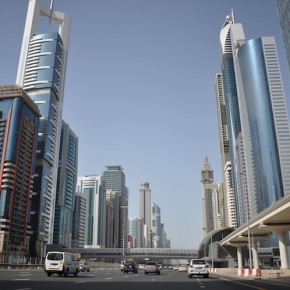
41,73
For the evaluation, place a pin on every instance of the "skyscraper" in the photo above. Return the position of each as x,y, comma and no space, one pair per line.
230,31
41,73
265,124
115,180
229,212
94,190
283,8
66,185
145,212
261,159
19,119
156,226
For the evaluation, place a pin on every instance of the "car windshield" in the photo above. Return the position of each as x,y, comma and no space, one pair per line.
198,262
151,263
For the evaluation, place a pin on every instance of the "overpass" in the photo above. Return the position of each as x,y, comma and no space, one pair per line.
135,253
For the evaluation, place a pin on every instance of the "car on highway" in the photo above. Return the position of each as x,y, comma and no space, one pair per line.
141,267
152,267
182,268
84,267
198,267
130,267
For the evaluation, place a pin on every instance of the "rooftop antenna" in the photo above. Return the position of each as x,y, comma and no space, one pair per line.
51,10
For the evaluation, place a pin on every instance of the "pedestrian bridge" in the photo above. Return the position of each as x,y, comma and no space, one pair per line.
135,253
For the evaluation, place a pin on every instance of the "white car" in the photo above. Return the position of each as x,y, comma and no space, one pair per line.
198,267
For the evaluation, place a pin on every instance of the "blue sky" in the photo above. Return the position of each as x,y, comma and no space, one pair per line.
139,91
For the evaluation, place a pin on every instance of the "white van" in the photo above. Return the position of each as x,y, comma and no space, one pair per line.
61,263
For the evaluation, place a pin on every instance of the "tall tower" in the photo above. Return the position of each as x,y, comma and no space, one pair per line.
228,188
208,185
115,180
93,188
145,211
66,184
156,226
19,119
230,32
283,8
265,123
41,73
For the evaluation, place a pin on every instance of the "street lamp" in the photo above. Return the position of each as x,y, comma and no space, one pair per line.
248,224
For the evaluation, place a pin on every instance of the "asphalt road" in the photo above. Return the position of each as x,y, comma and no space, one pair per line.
113,279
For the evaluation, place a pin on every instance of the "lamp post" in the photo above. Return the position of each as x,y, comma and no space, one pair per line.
247,220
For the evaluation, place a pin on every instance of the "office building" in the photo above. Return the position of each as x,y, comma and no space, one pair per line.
145,212
156,226
283,8
136,231
19,120
113,229
66,184
228,213
230,32
115,180
79,221
261,158
94,190
208,199
41,73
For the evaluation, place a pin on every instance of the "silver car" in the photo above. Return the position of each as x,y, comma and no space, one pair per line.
152,267
198,267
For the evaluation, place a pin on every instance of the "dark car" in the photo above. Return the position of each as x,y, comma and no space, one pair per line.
130,266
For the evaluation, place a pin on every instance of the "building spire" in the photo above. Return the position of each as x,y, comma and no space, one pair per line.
51,10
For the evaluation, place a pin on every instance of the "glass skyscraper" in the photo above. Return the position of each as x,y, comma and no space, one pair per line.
19,120
41,73
66,185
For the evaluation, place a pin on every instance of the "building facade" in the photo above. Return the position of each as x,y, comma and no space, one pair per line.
145,212
19,120
94,190
79,221
66,185
115,179
41,73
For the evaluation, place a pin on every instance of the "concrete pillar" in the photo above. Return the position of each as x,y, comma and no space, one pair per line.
240,257
255,255
283,251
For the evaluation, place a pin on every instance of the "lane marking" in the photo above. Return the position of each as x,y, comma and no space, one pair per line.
21,279
109,278
244,284
79,282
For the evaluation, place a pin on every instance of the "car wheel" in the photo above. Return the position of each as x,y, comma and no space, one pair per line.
206,276
66,272
48,274
189,276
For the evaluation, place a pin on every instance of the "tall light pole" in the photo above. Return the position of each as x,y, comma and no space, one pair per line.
248,223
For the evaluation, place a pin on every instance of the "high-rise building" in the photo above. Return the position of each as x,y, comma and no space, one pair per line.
261,159
94,190
156,226
230,31
19,119
136,231
265,124
145,212
283,8
66,184
79,221
113,230
115,179
41,73
229,206
208,192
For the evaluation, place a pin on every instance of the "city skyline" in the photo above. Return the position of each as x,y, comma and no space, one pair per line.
148,119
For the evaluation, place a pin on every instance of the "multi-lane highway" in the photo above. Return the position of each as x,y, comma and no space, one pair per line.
113,279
